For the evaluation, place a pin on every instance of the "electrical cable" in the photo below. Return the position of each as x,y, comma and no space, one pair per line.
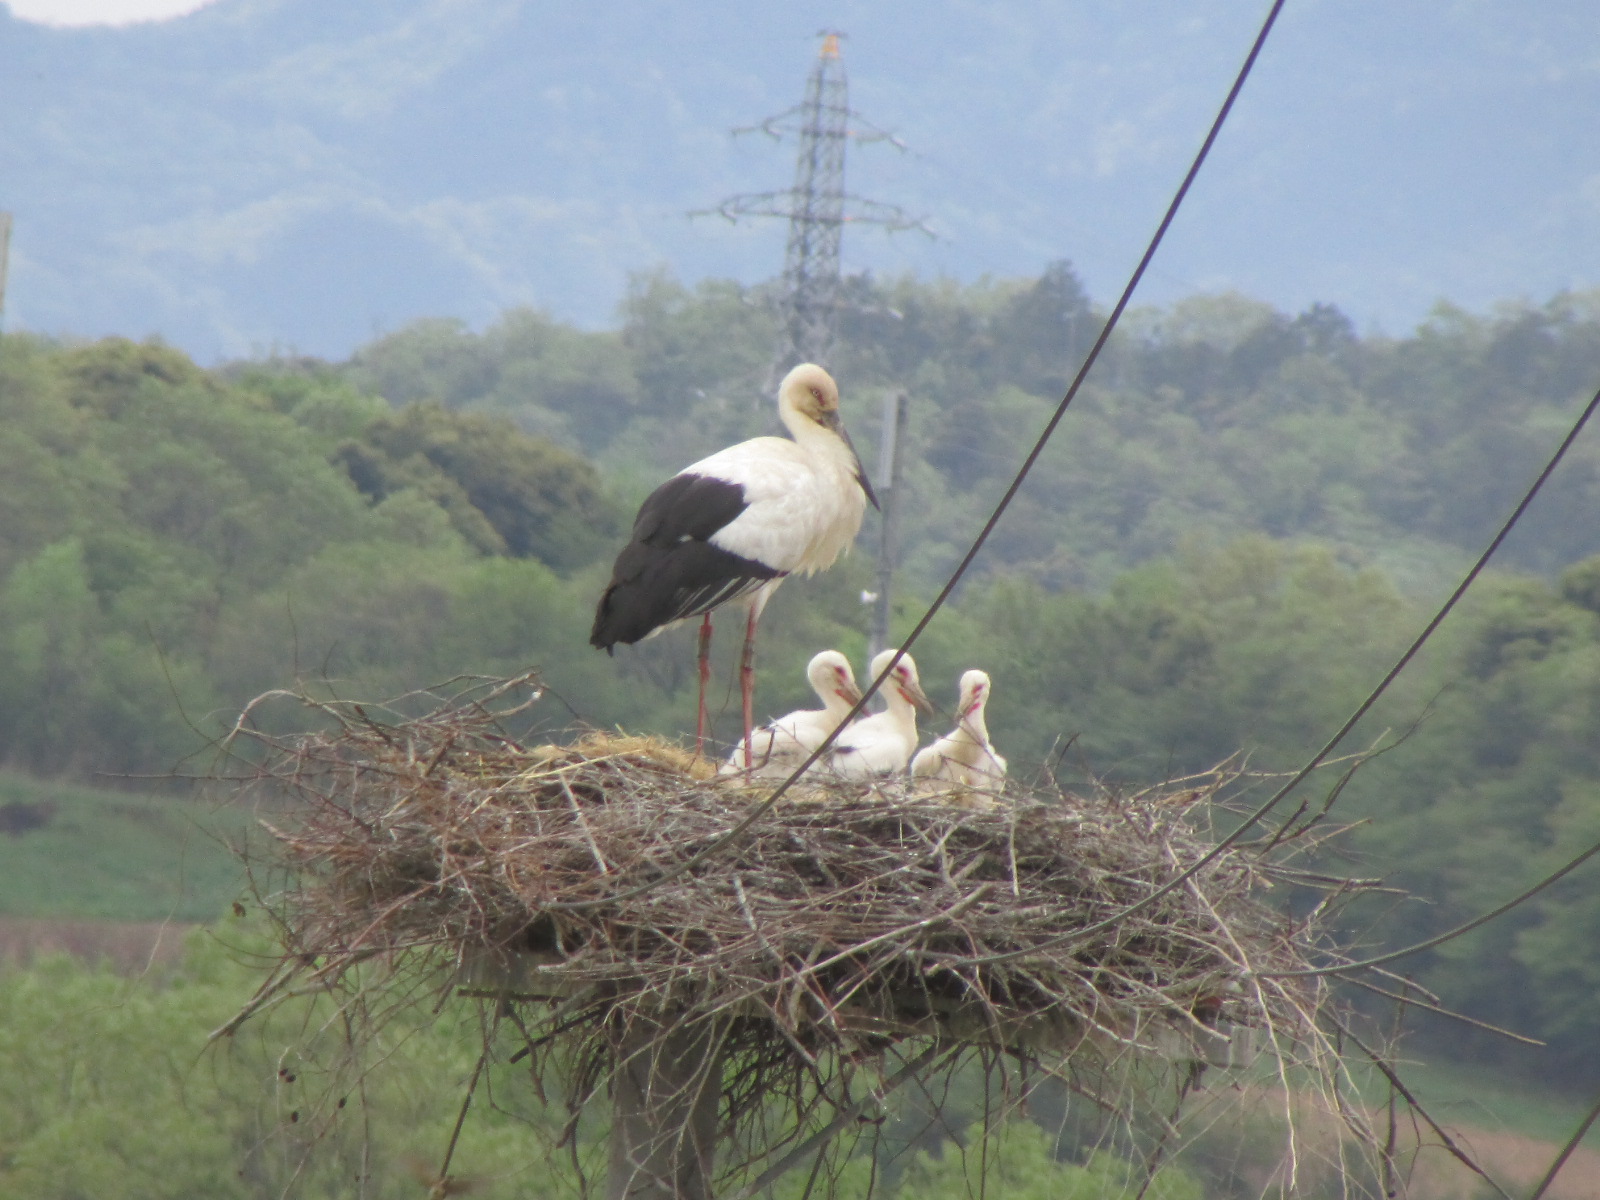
1361,710
1449,935
766,805
1566,1152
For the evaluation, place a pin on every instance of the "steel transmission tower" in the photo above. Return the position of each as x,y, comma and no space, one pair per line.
817,207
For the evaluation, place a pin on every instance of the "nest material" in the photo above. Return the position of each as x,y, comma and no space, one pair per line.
850,917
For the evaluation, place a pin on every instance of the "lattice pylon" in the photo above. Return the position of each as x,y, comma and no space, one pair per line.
816,224
816,207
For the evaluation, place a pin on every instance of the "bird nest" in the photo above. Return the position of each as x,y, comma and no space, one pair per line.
617,880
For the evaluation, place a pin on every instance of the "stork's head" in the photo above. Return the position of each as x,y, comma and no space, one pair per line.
902,681
808,400
811,393
974,694
830,675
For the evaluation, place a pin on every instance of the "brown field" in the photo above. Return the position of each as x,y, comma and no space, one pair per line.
1424,1168
1514,1161
126,946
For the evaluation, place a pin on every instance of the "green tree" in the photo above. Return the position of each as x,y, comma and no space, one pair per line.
687,343
1019,1161
436,359
506,493
576,387
110,1091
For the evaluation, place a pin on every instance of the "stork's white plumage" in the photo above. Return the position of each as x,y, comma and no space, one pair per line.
782,745
965,755
883,743
732,526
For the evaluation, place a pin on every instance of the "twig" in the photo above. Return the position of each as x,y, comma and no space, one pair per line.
845,1117
1566,1152
1448,1142
1445,1012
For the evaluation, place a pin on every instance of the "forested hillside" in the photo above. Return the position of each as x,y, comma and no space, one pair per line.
1213,418
1243,519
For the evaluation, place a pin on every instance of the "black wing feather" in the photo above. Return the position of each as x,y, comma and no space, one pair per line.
670,571
688,506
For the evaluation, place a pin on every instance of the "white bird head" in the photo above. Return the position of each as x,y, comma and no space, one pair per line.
830,675
974,695
809,396
902,681
810,391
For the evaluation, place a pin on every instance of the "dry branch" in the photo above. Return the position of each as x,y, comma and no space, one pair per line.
848,920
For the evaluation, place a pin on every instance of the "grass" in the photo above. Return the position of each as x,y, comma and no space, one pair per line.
113,855
1463,1095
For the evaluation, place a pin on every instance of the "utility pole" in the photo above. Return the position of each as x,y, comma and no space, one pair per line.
895,408
5,258
816,207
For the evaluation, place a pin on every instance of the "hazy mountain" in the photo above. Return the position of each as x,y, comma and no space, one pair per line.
294,174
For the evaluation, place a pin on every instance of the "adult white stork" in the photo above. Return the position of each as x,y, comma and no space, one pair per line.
883,743
781,745
732,526
965,755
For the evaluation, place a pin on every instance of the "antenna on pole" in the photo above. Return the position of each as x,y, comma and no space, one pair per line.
817,207
895,408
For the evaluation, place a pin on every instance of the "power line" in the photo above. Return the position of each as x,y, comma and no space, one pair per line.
1066,401
1449,935
1361,710
1038,448
766,806
1566,1152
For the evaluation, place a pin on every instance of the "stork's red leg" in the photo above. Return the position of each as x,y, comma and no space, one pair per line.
705,678
747,686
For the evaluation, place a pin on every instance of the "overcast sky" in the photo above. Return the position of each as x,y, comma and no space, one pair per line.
270,173
101,12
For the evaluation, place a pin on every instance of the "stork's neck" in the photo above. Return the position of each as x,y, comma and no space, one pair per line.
835,705
973,728
819,443
900,710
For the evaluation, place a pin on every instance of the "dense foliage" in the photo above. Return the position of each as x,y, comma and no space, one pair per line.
177,541
1244,518
120,1067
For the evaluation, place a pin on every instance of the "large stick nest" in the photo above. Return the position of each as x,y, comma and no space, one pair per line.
848,916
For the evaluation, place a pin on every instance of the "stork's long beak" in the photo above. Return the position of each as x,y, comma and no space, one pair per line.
912,691
849,692
832,421
861,472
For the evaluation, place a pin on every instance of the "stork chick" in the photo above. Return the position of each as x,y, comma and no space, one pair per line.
781,745
883,743
965,755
